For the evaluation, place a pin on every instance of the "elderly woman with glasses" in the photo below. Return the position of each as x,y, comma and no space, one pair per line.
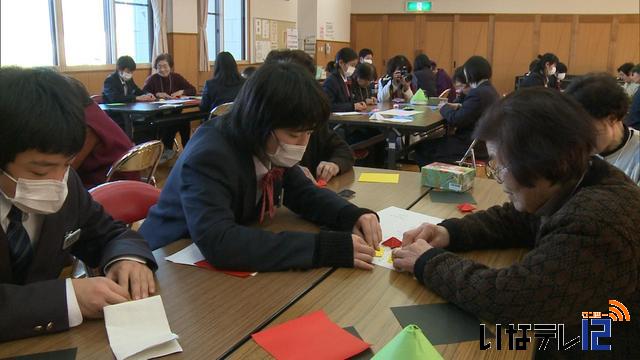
577,215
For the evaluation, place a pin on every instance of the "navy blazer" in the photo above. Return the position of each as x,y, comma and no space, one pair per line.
464,119
210,197
633,118
113,90
215,93
533,79
41,299
336,90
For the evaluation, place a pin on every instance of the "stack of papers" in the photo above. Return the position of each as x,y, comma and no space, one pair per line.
191,255
140,330
395,222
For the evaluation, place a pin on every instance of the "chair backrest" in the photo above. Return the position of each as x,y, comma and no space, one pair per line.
220,110
445,94
97,98
125,200
141,157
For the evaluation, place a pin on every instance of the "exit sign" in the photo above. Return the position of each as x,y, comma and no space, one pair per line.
418,6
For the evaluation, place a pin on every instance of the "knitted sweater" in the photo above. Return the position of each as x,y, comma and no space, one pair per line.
584,251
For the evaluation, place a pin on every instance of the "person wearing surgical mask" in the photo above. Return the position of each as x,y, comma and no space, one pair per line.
555,81
462,118
337,86
46,215
542,70
365,56
119,87
397,83
237,170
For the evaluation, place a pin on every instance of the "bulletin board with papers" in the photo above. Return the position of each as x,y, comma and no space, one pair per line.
272,34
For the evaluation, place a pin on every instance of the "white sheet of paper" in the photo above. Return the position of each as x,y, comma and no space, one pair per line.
172,101
187,256
399,112
379,117
347,113
139,329
394,222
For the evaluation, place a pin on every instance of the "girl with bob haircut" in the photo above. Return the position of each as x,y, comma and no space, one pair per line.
234,170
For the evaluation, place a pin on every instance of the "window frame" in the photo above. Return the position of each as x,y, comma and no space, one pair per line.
220,31
110,27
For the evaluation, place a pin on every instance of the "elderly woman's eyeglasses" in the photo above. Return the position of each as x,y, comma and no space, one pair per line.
495,171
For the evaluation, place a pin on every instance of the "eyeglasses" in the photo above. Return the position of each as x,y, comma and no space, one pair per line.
495,171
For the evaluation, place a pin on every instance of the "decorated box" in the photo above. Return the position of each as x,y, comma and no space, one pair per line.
448,177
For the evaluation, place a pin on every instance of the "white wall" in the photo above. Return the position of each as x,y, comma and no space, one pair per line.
307,20
504,6
339,13
183,16
284,10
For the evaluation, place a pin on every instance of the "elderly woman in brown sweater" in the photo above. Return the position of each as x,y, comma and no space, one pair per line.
578,215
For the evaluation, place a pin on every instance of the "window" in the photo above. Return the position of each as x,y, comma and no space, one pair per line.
27,45
92,32
226,28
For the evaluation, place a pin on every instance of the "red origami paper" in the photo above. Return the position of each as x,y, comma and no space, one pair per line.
321,183
466,207
205,265
309,337
392,242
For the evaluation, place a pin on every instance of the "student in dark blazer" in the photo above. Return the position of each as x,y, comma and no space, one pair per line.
225,84
460,84
46,214
363,77
543,69
327,155
234,170
337,85
462,117
119,87
423,77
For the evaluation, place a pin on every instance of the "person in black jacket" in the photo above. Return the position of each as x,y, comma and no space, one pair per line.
361,82
46,214
541,71
423,77
119,86
337,85
234,171
327,154
225,84
462,117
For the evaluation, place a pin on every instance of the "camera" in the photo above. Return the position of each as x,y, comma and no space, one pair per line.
406,75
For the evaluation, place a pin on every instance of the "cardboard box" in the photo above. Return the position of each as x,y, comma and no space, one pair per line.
448,177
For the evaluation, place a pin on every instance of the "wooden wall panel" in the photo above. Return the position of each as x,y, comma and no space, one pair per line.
184,48
437,41
627,44
367,33
555,36
592,46
402,36
513,47
472,37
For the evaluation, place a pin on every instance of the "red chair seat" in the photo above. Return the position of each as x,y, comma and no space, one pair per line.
125,200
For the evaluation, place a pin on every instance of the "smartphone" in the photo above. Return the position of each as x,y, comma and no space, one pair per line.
346,193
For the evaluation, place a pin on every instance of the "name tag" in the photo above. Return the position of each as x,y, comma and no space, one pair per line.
71,238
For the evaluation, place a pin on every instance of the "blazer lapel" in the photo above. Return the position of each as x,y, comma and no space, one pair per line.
47,258
6,275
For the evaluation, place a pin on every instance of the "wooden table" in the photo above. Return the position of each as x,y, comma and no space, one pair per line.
155,113
429,119
212,312
363,299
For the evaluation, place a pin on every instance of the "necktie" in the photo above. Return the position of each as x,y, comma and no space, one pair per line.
19,244
267,184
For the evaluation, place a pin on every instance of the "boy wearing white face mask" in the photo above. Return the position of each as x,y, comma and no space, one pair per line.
46,214
337,86
119,87
236,170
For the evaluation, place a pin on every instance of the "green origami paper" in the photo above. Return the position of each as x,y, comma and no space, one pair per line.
419,97
409,344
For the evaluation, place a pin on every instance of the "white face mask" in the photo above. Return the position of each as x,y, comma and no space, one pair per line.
39,196
552,70
349,71
287,155
561,76
368,61
126,76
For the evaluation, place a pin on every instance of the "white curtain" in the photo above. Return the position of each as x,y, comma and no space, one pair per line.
160,44
203,54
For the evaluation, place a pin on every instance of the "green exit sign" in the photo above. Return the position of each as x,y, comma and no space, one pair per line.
418,6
